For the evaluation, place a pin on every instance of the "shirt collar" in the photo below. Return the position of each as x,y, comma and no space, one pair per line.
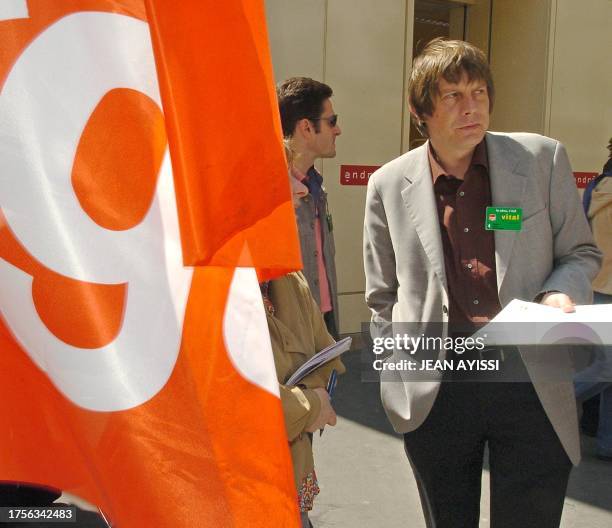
313,176
479,158
297,174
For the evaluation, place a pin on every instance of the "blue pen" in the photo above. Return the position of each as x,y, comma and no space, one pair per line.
331,386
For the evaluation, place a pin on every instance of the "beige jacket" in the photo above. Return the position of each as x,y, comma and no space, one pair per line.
406,278
600,216
297,331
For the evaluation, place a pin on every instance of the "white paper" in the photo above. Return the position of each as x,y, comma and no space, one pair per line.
536,324
320,358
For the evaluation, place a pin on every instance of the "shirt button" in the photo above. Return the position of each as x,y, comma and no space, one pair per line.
466,229
461,193
469,266
316,253
475,301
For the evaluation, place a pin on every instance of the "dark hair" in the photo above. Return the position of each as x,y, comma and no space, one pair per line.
448,59
299,98
610,148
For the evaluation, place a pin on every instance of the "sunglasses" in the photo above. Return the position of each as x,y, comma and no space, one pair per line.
331,120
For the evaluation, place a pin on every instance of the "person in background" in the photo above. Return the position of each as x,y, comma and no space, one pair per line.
297,332
597,378
311,127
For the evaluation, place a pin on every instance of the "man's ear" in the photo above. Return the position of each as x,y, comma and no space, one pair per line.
419,121
304,127
416,116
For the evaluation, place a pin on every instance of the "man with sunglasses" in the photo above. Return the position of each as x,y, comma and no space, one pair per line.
310,128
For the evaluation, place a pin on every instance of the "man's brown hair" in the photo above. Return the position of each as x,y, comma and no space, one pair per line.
447,59
299,98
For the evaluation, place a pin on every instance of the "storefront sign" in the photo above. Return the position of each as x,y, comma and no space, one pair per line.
356,174
583,178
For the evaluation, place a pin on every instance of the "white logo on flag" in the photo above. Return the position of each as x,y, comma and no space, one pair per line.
245,330
45,104
13,9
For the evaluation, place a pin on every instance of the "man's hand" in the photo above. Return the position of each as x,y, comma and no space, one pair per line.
327,415
558,300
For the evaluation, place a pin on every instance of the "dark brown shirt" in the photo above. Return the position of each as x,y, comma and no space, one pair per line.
469,249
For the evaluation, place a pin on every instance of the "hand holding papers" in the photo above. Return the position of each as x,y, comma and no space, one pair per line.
320,358
536,324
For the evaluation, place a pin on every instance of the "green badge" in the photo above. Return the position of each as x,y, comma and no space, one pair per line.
503,218
330,223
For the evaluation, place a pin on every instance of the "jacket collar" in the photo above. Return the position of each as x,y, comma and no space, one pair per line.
507,177
419,198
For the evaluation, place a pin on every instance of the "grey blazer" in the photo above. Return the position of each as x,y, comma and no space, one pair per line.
404,261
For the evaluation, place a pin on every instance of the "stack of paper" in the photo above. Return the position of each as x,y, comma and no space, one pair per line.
320,358
527,323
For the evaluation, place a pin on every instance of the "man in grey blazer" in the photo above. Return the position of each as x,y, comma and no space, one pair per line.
429,258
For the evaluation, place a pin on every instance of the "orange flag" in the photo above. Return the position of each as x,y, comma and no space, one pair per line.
127,376
221,141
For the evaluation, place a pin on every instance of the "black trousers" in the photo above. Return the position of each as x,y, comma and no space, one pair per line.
529,468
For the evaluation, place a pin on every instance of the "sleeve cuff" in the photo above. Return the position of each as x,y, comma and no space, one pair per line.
315,406
538,298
